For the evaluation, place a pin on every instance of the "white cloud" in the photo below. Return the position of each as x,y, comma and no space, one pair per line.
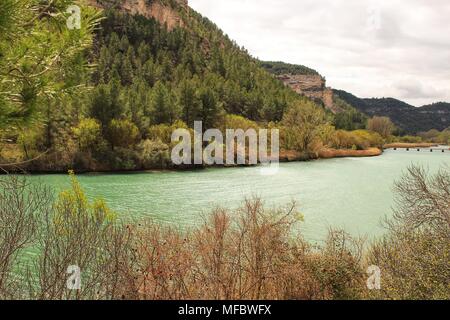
398,48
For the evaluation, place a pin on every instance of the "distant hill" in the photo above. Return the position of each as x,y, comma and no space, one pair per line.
408,118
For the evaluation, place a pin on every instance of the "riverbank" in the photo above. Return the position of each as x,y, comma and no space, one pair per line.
400,145
349,153
328,153
40,165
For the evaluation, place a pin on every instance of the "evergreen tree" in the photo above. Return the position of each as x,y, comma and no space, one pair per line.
162,106
189,103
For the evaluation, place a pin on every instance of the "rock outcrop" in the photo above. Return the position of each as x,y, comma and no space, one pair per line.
311,86
156,9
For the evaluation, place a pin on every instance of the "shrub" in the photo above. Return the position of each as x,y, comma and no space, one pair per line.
163,132
302,126
238,122
358,140
89,134
410,139
69,231
381,125
123,133
154,154
32,142
249,253
414,255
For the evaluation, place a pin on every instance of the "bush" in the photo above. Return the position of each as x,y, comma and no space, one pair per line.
163,132
154,154
69,231
381,125
238,122
122,159
123,133
32,142
357,140
302,127
89,134
249,253
414,255
410,139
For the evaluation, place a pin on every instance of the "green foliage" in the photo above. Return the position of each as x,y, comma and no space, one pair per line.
163,132
357,140
89,134
123,133
280,68
232,121
106,103
410,139
162,105
38,55
32,141
154,154
435,136
302,127
349,119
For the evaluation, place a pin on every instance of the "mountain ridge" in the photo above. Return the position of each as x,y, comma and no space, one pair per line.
408,118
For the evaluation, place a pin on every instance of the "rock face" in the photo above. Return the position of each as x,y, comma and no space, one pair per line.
164,14
311,86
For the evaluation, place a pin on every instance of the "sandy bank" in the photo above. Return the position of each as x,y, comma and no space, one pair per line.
409,145
327,153
334,153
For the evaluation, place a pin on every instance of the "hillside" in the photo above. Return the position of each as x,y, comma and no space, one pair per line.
138,49
157,65
408,118
310,83
304,81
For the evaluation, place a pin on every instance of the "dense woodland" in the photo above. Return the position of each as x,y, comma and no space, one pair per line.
143,81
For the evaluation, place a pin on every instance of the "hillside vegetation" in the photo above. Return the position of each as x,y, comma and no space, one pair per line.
409,119
145,81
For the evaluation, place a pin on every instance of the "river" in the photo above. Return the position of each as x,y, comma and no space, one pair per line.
349,193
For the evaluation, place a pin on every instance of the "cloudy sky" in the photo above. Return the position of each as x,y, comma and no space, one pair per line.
397,48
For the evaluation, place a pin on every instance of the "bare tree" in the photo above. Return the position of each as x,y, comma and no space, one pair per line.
423,200
381,125
414,255
20,205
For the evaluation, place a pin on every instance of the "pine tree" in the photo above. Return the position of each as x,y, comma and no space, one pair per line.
188,102
162,105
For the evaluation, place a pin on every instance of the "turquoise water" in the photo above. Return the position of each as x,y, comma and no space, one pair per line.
350,193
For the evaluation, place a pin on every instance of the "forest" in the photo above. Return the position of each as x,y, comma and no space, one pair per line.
113,103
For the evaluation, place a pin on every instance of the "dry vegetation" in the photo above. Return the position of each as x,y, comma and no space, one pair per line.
340,153
404,145
249,253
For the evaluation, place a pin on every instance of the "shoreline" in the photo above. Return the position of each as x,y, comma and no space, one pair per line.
401,145
286,156
348,153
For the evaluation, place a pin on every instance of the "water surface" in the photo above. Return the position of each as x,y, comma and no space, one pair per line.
350,193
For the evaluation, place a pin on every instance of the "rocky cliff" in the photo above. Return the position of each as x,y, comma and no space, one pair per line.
157,9
311,86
